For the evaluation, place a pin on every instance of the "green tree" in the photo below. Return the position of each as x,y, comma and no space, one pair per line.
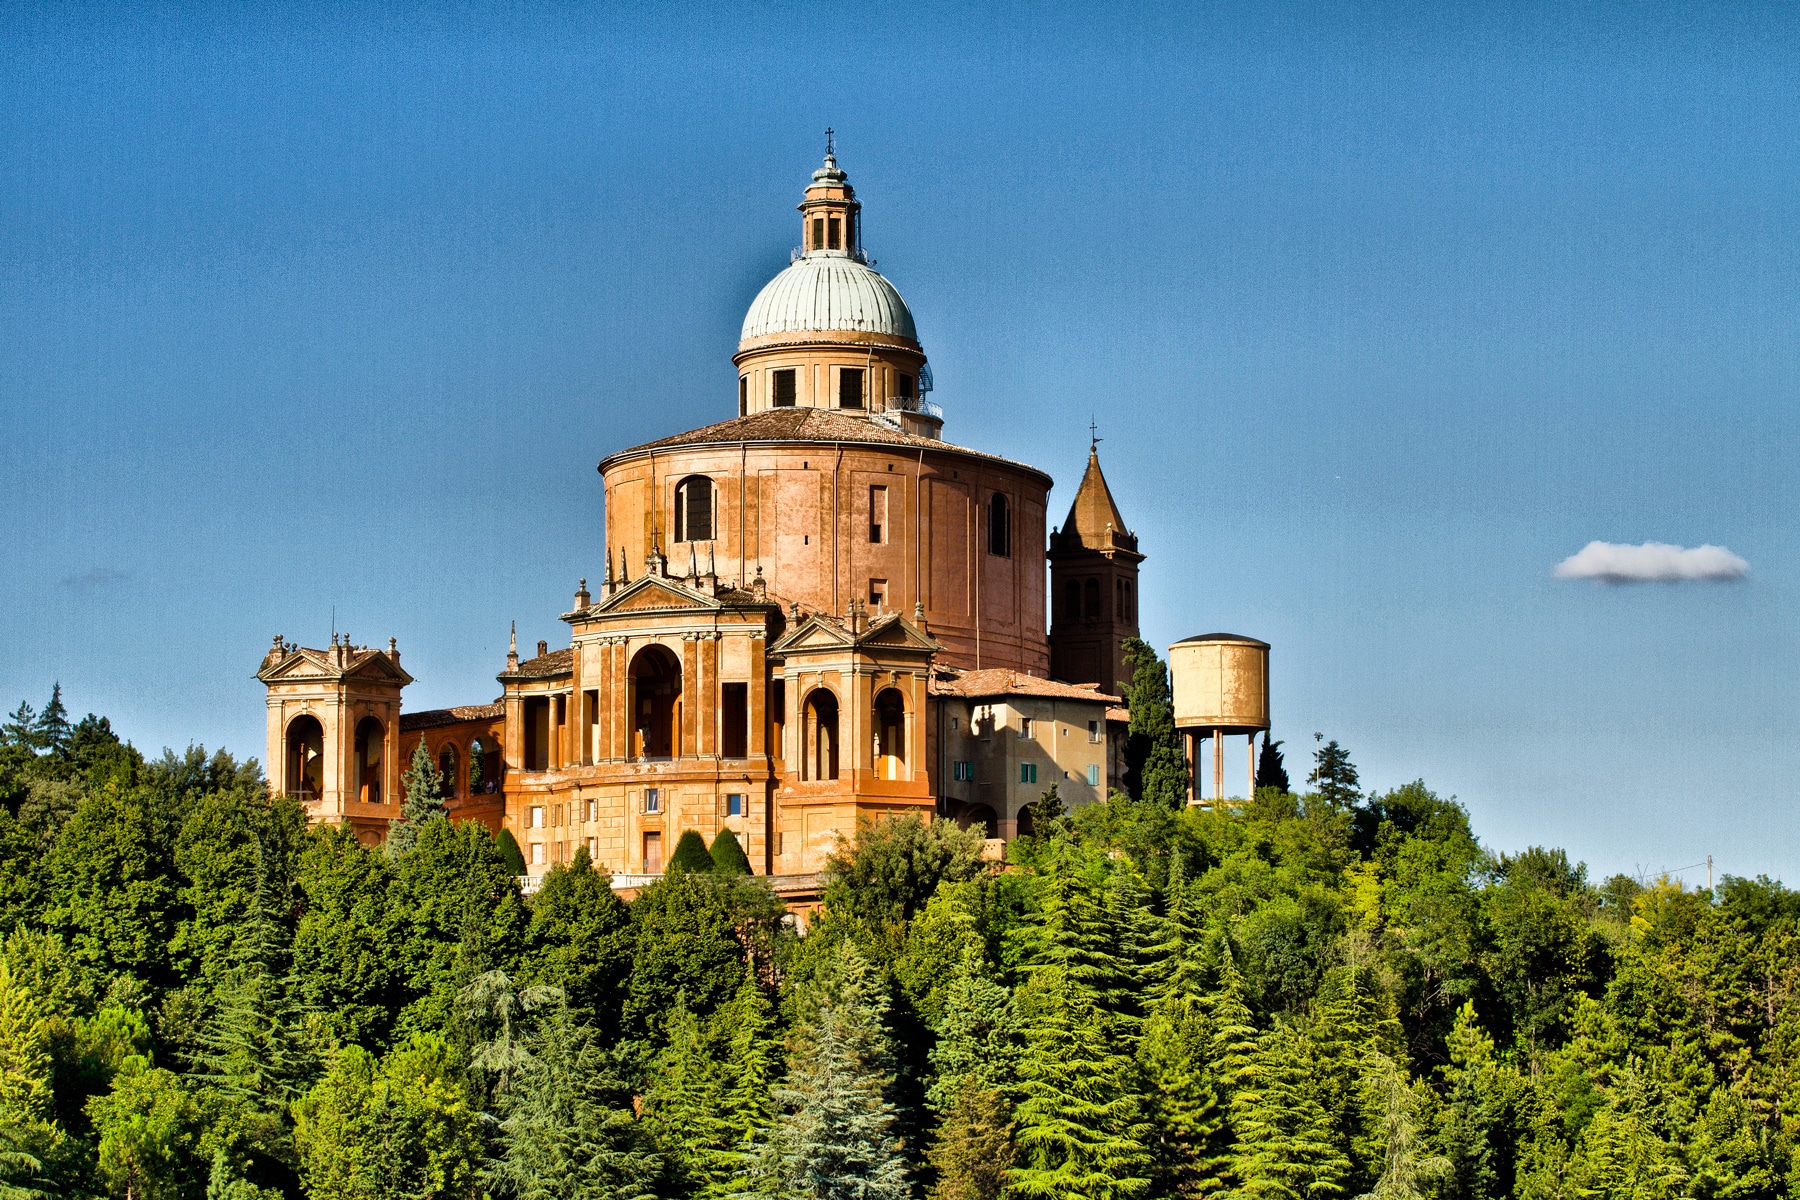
690,854
685,1109
728,856
837,1138
344,961
1079,1127
1410,1170
149,1128
580,939
1271,772
424,801
895,864
569,1132
389,1129
1333,777
26,1087
53,730
509,850
693,934
1154,768
753,1068
1286,1148
972,1150
1188,1134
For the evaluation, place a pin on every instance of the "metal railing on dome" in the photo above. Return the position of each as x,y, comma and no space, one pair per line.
915,404
858,253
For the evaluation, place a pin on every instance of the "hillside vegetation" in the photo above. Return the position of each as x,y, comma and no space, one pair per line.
1312,996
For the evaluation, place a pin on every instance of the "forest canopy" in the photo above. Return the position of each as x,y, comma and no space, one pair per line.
1329,994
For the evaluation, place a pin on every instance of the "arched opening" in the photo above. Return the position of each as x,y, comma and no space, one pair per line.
484,768
821,759
369,738
1093,599
447,771
999,526
305,768
1072,600
979,815
890,734
655,703
694,509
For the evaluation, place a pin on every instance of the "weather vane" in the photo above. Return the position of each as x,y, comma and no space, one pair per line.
1094,434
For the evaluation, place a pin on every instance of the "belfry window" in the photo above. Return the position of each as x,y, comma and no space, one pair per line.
694,509
1093,599
1072,600
999,526
836,227
784,388
850,387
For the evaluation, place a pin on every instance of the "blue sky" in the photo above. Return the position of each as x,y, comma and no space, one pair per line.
1383,311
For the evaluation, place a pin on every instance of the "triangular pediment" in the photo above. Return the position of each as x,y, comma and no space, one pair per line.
653,592
897,632
308,664
814,633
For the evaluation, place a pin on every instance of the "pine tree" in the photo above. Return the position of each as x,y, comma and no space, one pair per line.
25,1064
836,1139
973,1149
21,727
1154,768
1271,772
1285,1146
1188,1141
728,856
570,1133
1333,777
684,1109
691,855
1410,1171
52,728
424,801
752,1064
978,1038
1079,1127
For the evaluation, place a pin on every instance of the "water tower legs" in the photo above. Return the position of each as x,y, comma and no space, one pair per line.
1250,787
1218,768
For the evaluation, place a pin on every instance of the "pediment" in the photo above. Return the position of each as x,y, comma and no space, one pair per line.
814,633
653,592
309,665
897,632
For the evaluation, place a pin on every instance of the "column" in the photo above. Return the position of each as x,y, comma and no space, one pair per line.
691,699
707,716
759,697
1218,768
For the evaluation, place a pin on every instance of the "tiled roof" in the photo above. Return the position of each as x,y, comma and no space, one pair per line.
1003,682
807,425
1121,715
557,662
431,718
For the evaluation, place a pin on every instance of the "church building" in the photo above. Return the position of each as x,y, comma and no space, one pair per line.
816,610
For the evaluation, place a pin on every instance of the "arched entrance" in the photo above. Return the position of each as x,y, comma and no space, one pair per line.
890,735
655,704
369,738
979,816
484,768
820,760
304,771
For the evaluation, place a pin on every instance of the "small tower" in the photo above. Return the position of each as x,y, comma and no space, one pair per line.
1093,586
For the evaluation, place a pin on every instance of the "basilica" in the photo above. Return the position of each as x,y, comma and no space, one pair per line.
815,611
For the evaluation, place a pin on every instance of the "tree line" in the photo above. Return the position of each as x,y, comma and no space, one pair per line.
1328,994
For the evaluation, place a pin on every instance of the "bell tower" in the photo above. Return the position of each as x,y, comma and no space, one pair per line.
1093,586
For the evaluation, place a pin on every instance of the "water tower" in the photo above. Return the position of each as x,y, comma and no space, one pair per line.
1221,684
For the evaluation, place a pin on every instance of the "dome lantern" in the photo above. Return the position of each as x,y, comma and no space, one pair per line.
830,331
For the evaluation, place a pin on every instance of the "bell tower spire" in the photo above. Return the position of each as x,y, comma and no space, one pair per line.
1093,584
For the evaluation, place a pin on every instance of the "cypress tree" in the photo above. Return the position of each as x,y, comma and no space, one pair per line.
728,856
1154,768
424,801
509,850
691,855
1271,772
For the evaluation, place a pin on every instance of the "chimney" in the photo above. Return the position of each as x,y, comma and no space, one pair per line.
543,648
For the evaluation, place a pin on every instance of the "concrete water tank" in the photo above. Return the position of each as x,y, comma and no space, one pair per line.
1221,686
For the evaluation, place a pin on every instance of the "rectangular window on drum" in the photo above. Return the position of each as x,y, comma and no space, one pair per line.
743,394
878,518
818,233
850,387
783,385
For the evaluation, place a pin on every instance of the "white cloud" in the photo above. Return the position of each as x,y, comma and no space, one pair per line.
1652,562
